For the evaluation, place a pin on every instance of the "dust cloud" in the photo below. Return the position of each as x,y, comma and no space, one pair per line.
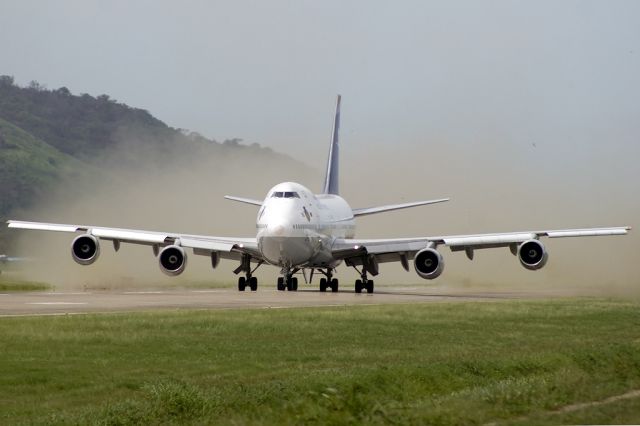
493,189
138,187
501,188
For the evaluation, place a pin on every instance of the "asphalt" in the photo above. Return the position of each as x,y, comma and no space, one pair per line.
71,302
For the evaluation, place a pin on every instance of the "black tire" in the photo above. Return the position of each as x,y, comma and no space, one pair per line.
253,283
323,284
242,283
280,284
370,286
334,285
358,286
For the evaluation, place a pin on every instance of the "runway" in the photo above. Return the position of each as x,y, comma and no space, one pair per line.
57,303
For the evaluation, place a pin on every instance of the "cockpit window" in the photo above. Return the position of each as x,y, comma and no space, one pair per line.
285,195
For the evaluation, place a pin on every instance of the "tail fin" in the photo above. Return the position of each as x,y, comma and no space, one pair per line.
331,180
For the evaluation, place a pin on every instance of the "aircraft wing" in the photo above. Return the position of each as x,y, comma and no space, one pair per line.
380,209
353,251
8,259
244,200
228,248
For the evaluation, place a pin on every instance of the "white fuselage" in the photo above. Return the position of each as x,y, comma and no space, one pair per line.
297,228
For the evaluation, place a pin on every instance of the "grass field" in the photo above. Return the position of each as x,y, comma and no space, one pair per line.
441,363
17,284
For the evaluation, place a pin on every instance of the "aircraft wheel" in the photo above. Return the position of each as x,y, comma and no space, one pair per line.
242,283
370,286
253,283
323,284
358,286
292,284
334,285
280,284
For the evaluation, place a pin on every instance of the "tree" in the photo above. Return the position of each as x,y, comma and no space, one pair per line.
34,85
6,81
63,91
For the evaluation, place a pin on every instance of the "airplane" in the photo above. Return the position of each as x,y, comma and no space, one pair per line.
302,232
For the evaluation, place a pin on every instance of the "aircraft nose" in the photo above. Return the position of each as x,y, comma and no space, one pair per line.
277,229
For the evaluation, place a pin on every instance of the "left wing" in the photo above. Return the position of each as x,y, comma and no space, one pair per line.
229,248
380,209
357,251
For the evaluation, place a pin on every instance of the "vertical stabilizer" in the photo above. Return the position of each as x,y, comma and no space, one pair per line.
331,180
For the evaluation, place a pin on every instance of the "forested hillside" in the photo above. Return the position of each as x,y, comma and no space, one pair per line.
51,136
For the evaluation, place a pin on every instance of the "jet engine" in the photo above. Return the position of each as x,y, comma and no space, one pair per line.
532,254
85,249
173,260
428,263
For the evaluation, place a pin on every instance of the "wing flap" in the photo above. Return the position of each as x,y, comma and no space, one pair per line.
211,245
130,236
489,239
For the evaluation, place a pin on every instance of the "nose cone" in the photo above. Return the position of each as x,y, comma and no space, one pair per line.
277,229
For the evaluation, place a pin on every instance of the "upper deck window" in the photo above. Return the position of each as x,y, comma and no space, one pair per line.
285,195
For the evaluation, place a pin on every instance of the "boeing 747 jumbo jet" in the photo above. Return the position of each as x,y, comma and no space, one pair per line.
302,232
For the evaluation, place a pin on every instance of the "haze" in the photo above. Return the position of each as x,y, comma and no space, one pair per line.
525,113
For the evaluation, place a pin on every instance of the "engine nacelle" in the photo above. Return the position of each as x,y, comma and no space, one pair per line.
428,263
85,249
173,260
532,255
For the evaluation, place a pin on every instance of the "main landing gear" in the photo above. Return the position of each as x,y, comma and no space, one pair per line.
328,282
364,283
288,282
248,280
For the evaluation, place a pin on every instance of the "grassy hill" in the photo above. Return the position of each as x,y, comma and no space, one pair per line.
48,137
80,126
29,168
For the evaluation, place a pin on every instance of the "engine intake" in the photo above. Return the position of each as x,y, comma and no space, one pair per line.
428,263
173,260
532,254
85,249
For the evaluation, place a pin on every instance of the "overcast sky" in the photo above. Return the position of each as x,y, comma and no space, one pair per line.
412,73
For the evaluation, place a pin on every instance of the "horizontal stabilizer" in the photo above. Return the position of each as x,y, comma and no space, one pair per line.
380,209
244,200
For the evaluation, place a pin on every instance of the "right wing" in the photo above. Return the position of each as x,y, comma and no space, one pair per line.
228,248
244,200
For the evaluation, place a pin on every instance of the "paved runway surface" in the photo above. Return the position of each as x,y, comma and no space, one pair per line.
45,303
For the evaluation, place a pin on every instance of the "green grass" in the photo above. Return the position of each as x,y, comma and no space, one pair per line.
13,284
444,363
